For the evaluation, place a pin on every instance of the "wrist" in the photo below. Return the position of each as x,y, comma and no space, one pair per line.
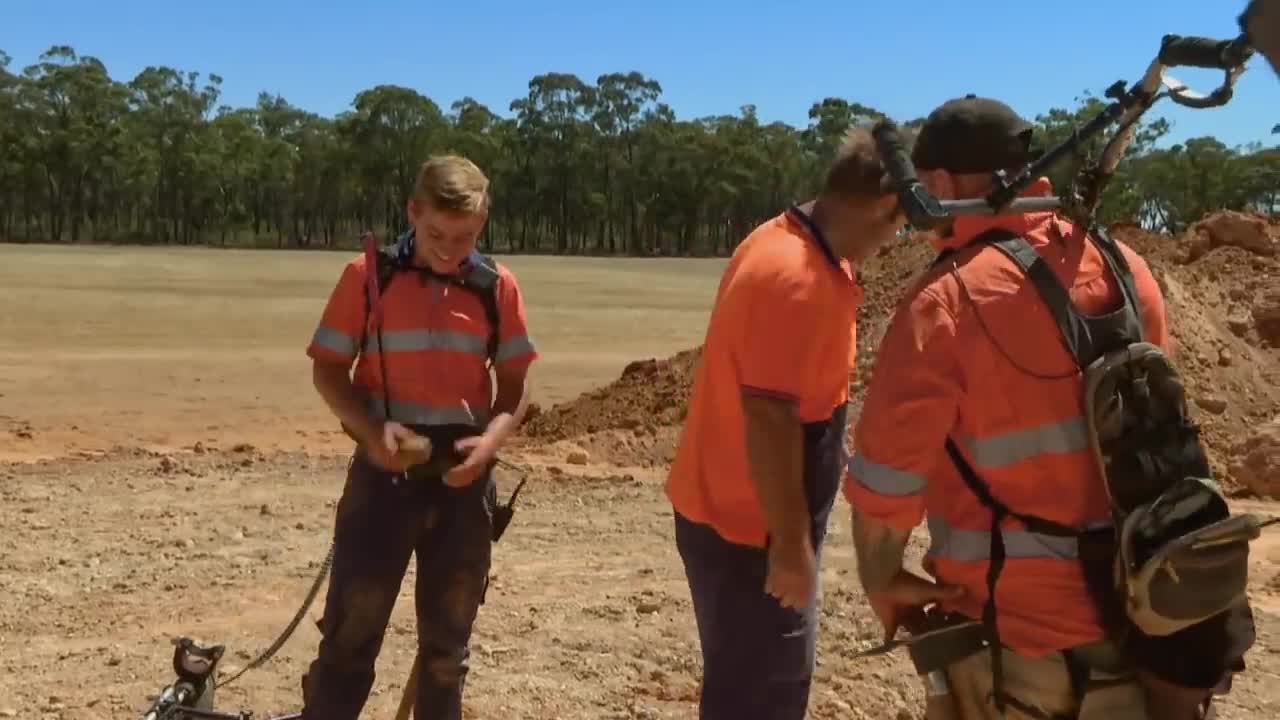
879,580
498,429
367,430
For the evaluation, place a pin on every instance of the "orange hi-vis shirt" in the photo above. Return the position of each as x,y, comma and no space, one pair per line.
783,324
973,353
435,335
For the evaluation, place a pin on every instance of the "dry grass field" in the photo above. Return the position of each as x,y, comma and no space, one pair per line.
166,469
169,346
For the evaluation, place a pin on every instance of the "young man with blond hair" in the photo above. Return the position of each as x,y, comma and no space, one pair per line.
762,450
423,366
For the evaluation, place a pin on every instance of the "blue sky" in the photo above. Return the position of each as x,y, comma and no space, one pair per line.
710,56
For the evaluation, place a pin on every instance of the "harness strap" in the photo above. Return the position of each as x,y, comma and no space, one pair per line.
1119,268
481,280
999,511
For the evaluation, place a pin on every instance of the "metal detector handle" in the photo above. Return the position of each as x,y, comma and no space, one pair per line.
922,209
1229,56
173,696
1176,50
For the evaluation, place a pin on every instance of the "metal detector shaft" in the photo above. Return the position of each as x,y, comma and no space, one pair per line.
982,207
924,211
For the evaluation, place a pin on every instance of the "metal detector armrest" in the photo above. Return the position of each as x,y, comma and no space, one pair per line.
1203,52
922,209
1230,56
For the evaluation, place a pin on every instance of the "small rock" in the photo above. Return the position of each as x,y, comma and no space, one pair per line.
1224,357
8,712
198,448
556,471
1238,324
264,510
1212,404
904,713
1245,231
577,457
648,608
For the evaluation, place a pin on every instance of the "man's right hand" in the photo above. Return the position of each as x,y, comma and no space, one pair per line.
902,603
793,572
383,448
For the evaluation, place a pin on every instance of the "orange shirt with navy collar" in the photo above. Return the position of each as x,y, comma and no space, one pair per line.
783,324
435,336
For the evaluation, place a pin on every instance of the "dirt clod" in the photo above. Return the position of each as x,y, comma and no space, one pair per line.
1257,464
1246,231
1266,314
1212,404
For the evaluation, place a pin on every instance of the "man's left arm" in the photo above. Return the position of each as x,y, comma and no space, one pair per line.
910,408
515,355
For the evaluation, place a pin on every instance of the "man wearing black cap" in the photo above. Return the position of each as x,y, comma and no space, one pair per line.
971,355
972,136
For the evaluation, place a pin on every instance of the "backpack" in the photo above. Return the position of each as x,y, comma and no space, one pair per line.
1168,575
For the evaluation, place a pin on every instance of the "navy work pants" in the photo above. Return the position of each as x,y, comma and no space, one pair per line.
379,525
757,656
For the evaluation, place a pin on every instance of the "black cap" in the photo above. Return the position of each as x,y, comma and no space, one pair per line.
972,135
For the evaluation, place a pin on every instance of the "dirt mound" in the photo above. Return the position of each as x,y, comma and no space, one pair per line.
632,421
649,394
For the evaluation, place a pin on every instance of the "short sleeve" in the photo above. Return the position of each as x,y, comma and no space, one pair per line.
515,345
784,331
342,320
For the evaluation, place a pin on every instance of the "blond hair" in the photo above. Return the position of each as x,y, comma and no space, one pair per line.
856,170
454,183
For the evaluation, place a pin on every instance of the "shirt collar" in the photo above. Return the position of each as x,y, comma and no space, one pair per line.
405,247
815,233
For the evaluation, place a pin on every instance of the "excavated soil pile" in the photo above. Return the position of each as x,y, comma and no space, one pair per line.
1221,281
631,421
